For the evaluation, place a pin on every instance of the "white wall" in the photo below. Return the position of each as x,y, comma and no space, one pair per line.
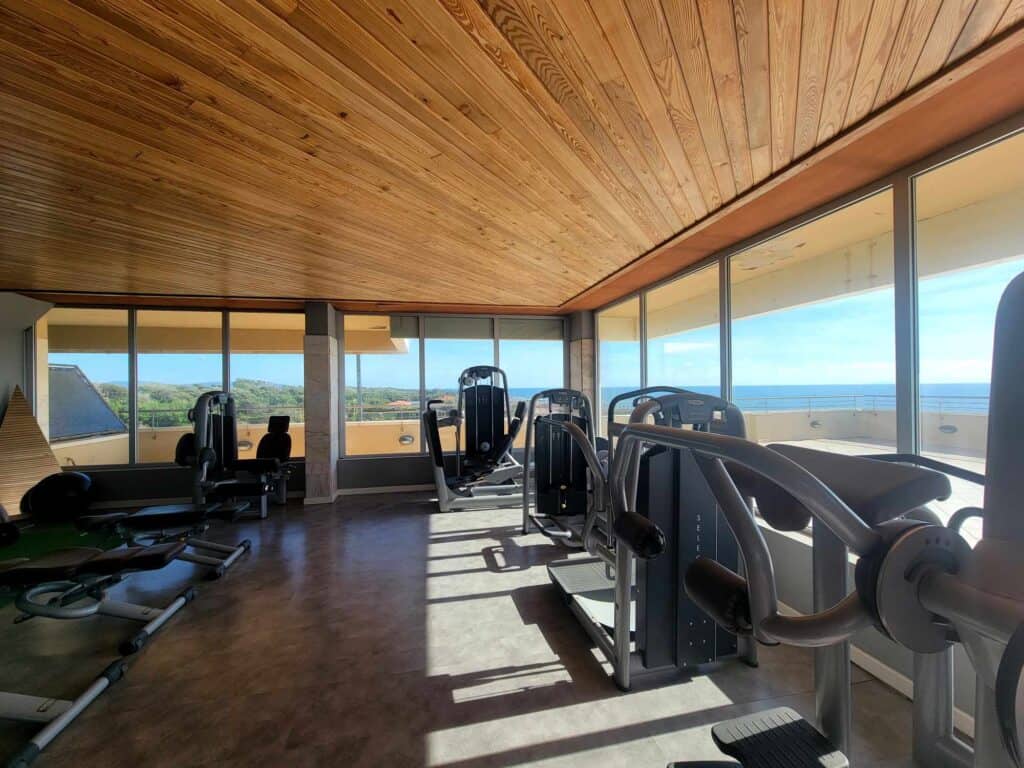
17,313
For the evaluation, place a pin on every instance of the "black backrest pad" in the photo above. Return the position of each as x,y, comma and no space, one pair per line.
433,435
278,424
560,471
876,490
275,445
485,419
185,450
61,497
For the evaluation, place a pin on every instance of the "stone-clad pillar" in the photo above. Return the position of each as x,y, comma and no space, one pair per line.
321,403
581,355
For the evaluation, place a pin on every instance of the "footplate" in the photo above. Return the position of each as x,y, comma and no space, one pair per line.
776,738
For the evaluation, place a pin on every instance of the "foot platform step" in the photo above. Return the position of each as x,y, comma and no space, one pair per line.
776,738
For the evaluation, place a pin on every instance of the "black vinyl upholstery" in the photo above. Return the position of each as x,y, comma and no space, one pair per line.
277,443
59,497
876,490
65,564
433,435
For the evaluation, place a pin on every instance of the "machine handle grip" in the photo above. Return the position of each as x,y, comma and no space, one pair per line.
643,537
721,594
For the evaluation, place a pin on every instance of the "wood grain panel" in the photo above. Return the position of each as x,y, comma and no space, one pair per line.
819,22
784,35
424,153
752,46
987,89
25,455
875,53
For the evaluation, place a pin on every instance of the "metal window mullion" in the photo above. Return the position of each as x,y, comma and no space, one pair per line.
642,327
225,349
496,334
567,356
133,387
421,325
339,333
905,311
725,328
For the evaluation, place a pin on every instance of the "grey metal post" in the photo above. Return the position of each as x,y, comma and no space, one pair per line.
359,383
422,335
831,663
905,309
725,327
642,333
133,387
225,350
934,739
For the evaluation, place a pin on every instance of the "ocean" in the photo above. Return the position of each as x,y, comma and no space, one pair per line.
960,398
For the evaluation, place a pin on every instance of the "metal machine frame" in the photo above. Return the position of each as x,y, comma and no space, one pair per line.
573,404
919,583
499,487
646,601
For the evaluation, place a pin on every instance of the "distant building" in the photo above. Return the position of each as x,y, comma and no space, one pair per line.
77,409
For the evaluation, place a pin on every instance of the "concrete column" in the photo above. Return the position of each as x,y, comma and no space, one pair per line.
581,355
322,395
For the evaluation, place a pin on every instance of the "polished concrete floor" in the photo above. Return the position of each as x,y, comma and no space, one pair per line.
377,632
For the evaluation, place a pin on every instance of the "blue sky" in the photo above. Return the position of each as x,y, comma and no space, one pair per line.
843,341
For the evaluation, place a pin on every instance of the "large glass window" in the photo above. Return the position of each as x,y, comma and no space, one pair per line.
970,244
453,344
618,352
532,354
179,358
813,332
683,335
382,385
267,375
82,384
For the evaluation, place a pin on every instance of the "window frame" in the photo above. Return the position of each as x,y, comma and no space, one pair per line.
421,319
901,183
133,366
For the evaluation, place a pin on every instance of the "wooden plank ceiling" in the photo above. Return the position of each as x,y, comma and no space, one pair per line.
490,152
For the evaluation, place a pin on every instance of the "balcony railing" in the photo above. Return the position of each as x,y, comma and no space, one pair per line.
156,418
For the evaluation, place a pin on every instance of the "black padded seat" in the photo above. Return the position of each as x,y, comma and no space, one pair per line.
166,516
65,564
876,490
149,558
59,565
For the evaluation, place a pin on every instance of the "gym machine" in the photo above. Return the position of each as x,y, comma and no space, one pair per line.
72,584
486,473
555,491
631,603
208,451
918,582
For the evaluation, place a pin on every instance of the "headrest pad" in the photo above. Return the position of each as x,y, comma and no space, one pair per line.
60,497
278,424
